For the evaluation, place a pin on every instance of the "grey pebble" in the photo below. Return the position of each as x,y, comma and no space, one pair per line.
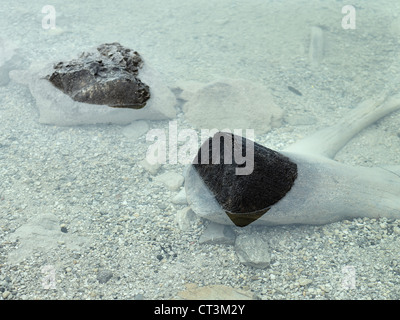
104,275
136,129
304,282
252,250
216,233
172,180
152,168
6,294
316,49
138,297
184,218
180,198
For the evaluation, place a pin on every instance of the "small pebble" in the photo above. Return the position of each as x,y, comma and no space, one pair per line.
180,198
253,250
300,119
138,297
64,228
184,218
304,281
173,181
104,275
135,130
151,168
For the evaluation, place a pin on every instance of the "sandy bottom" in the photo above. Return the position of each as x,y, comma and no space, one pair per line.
106,215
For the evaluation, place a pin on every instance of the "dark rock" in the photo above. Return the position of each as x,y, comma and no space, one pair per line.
244,197
108,76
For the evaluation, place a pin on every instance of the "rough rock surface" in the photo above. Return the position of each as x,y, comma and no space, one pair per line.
135,130
107,76
172,180
244,198
184,218
216,233
232,104
57,108
180,197
253,250
42,234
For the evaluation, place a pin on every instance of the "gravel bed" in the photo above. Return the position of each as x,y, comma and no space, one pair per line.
90,179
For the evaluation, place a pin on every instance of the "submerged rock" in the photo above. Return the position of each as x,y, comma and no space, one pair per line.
230,104
104,275
135,130
82,90
180,197
216,233
213,184
173,181
42,234
253,250
184,218
107,76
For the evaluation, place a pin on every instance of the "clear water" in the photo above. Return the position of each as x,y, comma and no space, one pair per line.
266,42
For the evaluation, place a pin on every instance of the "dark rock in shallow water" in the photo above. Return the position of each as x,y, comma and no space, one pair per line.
244,197
108,76
57,108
